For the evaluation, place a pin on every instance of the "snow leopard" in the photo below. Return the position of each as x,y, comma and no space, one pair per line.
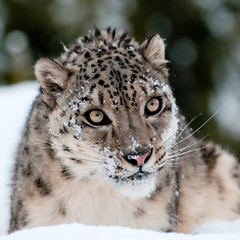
106,144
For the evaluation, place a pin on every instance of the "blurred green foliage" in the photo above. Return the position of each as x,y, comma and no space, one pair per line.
202,40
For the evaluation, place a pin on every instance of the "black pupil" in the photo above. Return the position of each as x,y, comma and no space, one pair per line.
153,103
98,118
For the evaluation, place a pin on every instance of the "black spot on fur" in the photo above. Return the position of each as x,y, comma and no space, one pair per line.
97,32
123,36
53,87
18,220
110,94
220,188
100,97
121,101
109,30
66,173
50,150
69,74
76,160
128,40
101,82
127,96
171,210
19,205
133,77
96,76
28,170
63,130
131,55
63,113
168,109
62,209
65,148
176,190
43,188
86,76
143,78
139,212
113,33
85,39
26,150
92,87
99,62
85,99
87,55
210,156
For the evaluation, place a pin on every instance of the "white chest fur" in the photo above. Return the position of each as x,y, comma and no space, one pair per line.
97,202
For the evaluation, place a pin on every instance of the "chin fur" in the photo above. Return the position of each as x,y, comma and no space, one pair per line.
135,187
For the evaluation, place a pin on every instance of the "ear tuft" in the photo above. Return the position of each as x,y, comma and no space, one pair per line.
52,78
153,50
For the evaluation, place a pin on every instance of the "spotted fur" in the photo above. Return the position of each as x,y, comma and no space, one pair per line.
70,169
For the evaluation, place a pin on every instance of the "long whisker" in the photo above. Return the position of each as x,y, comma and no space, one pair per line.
87,155
190,151
181,132
174,159
199,127
43,145
85,160
190,145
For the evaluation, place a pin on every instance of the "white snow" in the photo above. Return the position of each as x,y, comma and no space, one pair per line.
142,187
15,102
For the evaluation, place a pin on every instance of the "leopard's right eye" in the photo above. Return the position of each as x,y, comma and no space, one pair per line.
153,106
97,117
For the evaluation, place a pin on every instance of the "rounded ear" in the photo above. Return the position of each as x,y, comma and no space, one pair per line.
52,78
153,50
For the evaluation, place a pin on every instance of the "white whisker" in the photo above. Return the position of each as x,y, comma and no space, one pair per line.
181,132
199,127
190,151
190,145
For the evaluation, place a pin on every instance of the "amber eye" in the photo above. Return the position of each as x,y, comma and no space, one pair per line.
97,117
153,106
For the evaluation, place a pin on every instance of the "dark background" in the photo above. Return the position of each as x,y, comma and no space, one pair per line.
202,39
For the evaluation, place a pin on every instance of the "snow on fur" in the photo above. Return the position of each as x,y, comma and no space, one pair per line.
15,103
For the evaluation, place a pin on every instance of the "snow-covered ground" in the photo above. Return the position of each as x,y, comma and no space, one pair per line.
15,103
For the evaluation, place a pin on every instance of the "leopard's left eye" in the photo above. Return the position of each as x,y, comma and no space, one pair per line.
153,106
96,116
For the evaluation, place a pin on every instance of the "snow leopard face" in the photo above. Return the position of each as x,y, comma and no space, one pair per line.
112,112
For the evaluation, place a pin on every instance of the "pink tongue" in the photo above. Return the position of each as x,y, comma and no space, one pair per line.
140,160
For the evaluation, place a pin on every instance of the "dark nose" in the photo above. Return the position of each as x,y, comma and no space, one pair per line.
138,158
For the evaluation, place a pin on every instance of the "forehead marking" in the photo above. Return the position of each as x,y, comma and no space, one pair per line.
100,97
96,76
